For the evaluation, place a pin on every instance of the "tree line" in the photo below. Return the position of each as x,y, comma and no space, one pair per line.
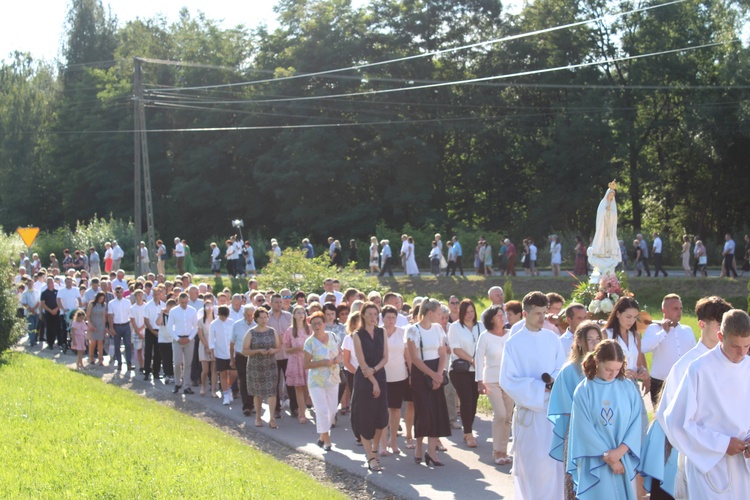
525,155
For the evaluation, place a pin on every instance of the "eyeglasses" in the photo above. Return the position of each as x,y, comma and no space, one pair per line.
286,296
453,302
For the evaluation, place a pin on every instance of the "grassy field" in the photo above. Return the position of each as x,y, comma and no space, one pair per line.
68,435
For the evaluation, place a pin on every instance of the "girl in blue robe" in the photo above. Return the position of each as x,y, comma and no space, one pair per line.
587,336
658,460
605,427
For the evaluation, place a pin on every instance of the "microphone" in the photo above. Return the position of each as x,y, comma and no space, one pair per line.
548,381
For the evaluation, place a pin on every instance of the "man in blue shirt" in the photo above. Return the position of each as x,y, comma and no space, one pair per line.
459,254
309,253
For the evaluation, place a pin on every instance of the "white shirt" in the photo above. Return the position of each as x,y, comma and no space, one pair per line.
676,374
69,297
395,368
532,252
118,282
138,312
338,296
729,247
465,338
219,335
657,245
348,345
489,357
630,350
117,252
153,311
120,310
566,339
385,252
431,340
183,323
236,315
239,330
179,250
702,418
215,253
667,347
144,255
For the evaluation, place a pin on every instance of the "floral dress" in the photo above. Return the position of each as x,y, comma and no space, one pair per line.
262,374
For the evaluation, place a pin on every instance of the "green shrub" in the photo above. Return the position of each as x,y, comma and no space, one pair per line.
293,271
508,291
11,328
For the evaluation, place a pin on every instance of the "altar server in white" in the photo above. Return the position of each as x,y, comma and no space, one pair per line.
708,420
530,354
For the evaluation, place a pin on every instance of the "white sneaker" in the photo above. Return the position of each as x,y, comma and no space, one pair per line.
231,398
227,399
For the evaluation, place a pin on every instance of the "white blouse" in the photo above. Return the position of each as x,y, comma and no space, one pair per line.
465,338
432,339
630,350
489,356
395,368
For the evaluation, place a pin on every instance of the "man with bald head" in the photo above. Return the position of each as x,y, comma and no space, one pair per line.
497,298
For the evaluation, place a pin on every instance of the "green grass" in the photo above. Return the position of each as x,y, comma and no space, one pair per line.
68,435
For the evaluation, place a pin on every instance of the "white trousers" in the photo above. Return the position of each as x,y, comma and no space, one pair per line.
325,400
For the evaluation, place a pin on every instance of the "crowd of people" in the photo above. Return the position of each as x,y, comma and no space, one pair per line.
569,388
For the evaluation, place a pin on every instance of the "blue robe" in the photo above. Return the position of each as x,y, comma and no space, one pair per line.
560,405
604,416
653,466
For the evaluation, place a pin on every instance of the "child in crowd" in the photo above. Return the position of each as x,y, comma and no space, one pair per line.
78,336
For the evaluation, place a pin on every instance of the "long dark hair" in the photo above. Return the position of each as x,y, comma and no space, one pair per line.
463,308
613,322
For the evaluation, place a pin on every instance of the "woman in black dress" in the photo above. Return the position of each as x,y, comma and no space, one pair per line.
369,401
425,341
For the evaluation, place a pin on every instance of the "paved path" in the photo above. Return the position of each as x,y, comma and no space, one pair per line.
467,473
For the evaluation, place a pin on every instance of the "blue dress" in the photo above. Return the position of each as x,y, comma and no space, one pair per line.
560,406
654,463
604,416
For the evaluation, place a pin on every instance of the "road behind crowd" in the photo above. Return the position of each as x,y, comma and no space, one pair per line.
467,473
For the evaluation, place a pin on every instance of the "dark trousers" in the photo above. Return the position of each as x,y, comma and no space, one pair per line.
152,356
458,264
728,265
230,267
657,493
350,383
165,349
451,269
180,265
468,394
387,267
281,367
240,362
123,336
657,265
196,368
656,386
54,330
644,261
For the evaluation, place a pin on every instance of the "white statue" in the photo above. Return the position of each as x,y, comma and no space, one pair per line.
604,252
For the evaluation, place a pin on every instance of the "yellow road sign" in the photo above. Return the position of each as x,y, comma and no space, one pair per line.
28,234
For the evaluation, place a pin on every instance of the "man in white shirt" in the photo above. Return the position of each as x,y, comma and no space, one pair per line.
117,255
328,286
120,281
530,354
331,246
497,298
118,313
30,302
152,357
230,255
386,259
219,336
727,266
238,361
533,253
668,340
179,254
236,313
459,255
138,326
183,327
657,251
144,259
68,299
165,341
708,420
392,299
576,314
196,303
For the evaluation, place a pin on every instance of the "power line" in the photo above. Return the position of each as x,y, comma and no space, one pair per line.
479,79
415,56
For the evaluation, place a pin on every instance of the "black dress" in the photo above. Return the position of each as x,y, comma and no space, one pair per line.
370,413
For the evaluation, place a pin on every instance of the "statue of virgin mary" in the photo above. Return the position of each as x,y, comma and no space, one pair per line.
604,252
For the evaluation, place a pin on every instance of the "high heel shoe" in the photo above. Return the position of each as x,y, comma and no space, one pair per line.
418,460
376,467
428,459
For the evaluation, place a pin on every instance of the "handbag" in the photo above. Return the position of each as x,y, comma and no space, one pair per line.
428,379
460,365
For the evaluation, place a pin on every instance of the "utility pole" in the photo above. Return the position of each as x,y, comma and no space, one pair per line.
142,170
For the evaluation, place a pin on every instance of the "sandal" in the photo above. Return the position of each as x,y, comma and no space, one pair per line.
470,441
410,444
503,460
258,422
394,450
272,424
377,467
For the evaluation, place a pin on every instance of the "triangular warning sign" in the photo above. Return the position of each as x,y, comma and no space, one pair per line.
28,234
